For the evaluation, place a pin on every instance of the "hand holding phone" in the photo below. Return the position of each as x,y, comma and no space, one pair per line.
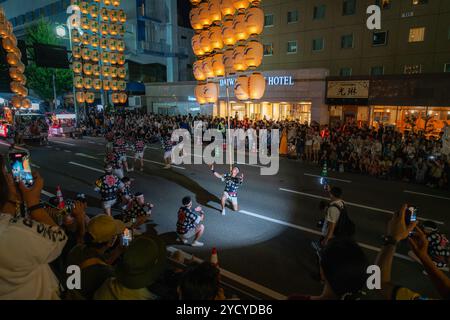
410,214
20,168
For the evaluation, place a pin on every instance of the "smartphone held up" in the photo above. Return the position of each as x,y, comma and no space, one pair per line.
20,167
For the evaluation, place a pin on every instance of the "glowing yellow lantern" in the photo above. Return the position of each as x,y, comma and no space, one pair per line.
104,43
112,43
116,3
113,73
105,57
113,29
211,92
14,73
241,4
115,98
85,39
196,47
121,59
86,54
104,14
96,70
217,65
8,45
104,29
97,85
23,92
94,41
84,7
215,38
76,36
203,14
254,52
241,88
93,10
257,86
204,41
120,45
254,21
93,25
113,58
215,15
239,63
20,67
114,85
195,19
76,52
198,71
207,68
122,16
107,2
80,97
199,94
77,67
87,83
121,30
122,85
85,23
228,61
195,2
21,78
239,27
123,97
114,15
228,36
90,97
78,82
87,69
12,59
106,85
227,8
16,102
122,72
106,71
26,103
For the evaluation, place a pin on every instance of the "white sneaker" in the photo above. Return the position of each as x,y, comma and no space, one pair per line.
223,212
197,244
167,166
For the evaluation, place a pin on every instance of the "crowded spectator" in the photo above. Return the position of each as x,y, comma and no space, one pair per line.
201,282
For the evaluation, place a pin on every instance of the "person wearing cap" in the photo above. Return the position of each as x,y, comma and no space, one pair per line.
96,266
189,223
108,185
141,265
232,184
137,211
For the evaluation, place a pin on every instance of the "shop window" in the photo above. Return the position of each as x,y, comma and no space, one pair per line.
416,2
268,20
412,69
377,70
345,72
447,67
292,47
379,38
268,49
319,12
416,34
348,7
383,4
318,44
292,16
347,41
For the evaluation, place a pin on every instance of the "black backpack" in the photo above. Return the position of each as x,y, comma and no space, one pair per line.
345,227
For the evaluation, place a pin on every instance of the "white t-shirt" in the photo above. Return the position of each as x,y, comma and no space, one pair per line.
26,249
332,215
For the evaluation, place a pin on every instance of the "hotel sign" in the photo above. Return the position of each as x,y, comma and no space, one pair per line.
270,81
358,89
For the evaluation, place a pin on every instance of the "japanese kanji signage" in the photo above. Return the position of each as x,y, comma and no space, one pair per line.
357,89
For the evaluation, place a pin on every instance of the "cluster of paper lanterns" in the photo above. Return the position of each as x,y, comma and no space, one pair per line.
99,59
226,42
16,66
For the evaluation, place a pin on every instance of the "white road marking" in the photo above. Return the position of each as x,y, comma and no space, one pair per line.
68,151
87,167
85,156
35,166
328,178
353,204
248,283
160,163
5,144
64,143
315,232
426,194
92,142
46,193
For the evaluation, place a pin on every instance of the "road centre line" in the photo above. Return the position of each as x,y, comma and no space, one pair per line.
64,143
87,167
85,156
160,163
426,194
354,204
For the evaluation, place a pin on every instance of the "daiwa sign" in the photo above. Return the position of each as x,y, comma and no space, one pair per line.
270,81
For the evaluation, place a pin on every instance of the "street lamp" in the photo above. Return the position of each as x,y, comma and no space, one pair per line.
61,31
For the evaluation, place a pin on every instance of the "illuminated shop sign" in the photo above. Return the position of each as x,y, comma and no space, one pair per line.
270,81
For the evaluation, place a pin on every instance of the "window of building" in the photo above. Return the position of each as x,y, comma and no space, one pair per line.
348,7
383,4
268,49
292,16
292,46
319,12
318,44
416,34
377,70
347,41
268,20
416,2
345,72
379,38
447,67
412,69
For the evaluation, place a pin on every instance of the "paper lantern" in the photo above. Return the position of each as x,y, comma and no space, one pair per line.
113,73
112,44
198,91
196,47
26,103
211,92
215,15
16,102
257,86
195,19
121,29
228,36
106,72
96,70
85,23
113,58
204,41
85,39
241,4
77,67
76,36
203,14
107,2
122,85
84,7
104,43
93,10
115,98
78,82
90,97
20,67
23,92
80,97
21,78
114,16
227,8
12,59
241,88
104,14
207,68
198,71
86,54
106,85
122,72
228,61
254,21
215,38
195,2
116,3
13,39
114,85
239,27
123,97
120,45
8,45
105,57
113,29
254,52
97,84
76,52
121,59
87,69
104,29
14,86
87,83
122,16
239,63
95,41
93,26
217,65
14,73
17,52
